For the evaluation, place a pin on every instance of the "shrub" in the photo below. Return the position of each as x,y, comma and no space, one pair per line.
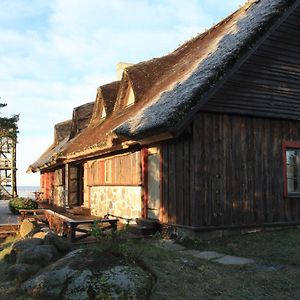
21,203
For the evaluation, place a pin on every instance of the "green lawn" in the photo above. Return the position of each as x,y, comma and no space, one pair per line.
178,276
281,247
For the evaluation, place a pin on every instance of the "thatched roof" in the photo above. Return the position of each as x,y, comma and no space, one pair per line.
105,99
64,132
169,88
81,118
61,137
176,83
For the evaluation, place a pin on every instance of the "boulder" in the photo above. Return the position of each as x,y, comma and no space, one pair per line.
21,272
39,255
79,287
21,245
52,280
40,235
124,282
27,228
49,284
58,242
85,274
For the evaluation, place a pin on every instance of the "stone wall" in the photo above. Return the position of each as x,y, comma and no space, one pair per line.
58,196
124,201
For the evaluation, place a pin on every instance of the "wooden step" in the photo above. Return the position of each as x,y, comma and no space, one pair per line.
149,223
143,230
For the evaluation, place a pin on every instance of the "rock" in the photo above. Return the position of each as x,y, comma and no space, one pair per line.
59,243
233,260
21,272
21,245
124,282
51,281
49,284
85,274
39,255
40,235
27,228
78,288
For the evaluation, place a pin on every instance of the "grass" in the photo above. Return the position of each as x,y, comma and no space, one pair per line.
185,277
281,247
179,276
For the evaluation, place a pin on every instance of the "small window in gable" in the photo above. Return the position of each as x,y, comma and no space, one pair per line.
129,100
103,113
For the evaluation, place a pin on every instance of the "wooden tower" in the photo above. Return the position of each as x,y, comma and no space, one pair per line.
8,183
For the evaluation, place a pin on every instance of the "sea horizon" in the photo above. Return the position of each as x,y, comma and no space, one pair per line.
27,190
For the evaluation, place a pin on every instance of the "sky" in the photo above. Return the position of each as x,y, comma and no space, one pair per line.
55,53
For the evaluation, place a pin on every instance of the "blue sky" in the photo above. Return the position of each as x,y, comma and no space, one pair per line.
55,53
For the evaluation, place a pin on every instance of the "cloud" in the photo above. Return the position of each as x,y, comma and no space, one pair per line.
55,53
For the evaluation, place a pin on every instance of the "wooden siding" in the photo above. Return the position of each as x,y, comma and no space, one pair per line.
228,171
123,170
267,84
52,185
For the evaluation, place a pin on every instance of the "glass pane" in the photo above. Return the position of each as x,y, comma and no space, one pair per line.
293,170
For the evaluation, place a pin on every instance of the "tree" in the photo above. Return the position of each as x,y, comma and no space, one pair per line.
8,125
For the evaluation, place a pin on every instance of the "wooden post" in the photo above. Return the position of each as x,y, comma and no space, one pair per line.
8,166
67,168
144,156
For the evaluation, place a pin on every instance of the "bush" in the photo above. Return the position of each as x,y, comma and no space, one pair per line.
21,203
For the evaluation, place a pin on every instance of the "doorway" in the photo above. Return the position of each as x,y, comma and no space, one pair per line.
154,185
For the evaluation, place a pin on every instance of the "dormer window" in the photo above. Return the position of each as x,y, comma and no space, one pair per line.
129,99
103,114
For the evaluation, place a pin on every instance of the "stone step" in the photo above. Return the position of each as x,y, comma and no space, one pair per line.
149,223
142,230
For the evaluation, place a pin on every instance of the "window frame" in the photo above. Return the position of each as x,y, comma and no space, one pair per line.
286,145
108,171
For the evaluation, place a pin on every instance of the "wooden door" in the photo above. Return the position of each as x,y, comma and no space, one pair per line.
153,183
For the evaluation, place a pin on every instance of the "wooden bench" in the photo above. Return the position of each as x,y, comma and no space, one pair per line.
75,227
35,214
72,226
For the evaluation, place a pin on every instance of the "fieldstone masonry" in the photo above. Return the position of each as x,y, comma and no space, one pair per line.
124,201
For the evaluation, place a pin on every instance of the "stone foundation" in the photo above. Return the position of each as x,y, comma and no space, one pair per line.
123,201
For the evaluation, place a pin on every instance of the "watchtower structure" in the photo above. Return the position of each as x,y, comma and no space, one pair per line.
8,183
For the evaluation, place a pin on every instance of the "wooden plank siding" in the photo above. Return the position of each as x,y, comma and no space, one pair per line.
267,84
230,174
51,182
124,169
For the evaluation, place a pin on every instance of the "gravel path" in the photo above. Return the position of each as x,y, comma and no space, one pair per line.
6,217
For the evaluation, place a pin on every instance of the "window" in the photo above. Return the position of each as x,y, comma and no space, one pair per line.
130,97
291,168
103,114
108,171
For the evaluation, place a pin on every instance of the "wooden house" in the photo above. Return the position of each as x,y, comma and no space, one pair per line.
58,188
206,137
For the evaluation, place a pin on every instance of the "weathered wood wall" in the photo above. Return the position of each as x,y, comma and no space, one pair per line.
123,170
52,185
228,171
